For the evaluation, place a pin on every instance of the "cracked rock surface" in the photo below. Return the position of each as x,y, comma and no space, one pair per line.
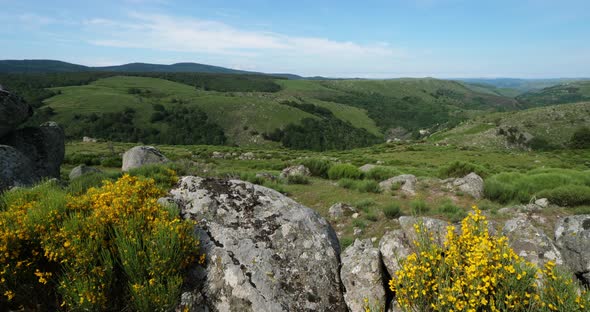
265,252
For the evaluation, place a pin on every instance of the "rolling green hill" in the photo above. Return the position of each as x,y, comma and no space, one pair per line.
549,127
248,109
570,92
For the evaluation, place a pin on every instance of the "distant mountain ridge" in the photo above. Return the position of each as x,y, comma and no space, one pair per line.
53,66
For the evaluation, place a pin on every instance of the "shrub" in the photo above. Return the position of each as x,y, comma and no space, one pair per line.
359,223
451,211
521,187
475,271
418,206
368,186
317,167
392,210
568,195
111,248
339,171
459,169
581,138
163,174
80,158
347,183
112,161
364,204
371,216
84,182
297,179
381,173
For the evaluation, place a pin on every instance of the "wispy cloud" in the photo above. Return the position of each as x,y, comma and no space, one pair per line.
171,33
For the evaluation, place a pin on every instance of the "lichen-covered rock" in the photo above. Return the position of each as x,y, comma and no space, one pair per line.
398,244
300,170
82,170
471,184
529,242
247,156
339,210
362,276
15,168
142,155
43,145
542,202
572,237
265,252
13,112
407,183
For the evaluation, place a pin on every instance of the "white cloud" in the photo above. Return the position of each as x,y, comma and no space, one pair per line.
257,48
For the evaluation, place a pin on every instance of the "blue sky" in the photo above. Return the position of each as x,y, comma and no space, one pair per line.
371,39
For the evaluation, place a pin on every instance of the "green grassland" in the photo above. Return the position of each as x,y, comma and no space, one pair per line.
246,117
425,160
553,124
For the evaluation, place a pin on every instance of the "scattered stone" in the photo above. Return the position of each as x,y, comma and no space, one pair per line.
367,167
362,276
82,170
542,202
341,209
407,182
572,236
265,252
355,215
89,140
471,184
357,231
142,155
218,155
529,242
247,156
300,170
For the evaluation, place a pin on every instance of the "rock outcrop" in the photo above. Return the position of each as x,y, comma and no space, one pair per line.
28,154
13,112
572,235
265,252
362,276
367,167
82,170
142,155
529,242
407,183
300,170
471,184
339,210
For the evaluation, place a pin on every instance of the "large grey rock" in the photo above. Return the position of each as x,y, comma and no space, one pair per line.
572,236
15,169
362,276
82,170
471,184
13,112
529,242
339,210
142,155
398,244
407,182
295,170
44,146
265,251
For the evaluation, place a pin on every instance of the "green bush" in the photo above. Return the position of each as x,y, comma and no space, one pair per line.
581,138
451,211
359,223
82,158
392,210
371,216
297,179
419,206
82,183
521,187
381,173
112,161
165,175
317,167
364,204
347,183
340,171
459,169
568,195
368,186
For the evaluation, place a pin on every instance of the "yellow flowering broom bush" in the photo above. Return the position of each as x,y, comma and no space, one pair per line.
475,271
112,248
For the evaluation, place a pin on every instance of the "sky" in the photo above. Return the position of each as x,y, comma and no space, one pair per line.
365,39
